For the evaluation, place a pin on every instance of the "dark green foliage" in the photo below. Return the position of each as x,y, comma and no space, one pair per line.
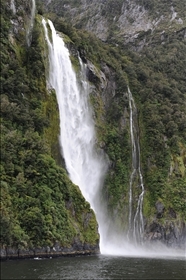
39,203
157,81
35,191
162,102
118,150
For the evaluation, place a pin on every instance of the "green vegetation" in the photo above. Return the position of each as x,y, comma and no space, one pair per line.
39,204
162,104
156,78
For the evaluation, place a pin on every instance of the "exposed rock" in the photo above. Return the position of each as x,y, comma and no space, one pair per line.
160,209
134,18
172,213
94,76
77,248
172,234
86,218
123,20
20,20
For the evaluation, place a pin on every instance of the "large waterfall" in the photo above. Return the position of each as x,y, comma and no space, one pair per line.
85,166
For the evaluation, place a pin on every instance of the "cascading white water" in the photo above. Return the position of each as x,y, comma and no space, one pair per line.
136,223
31,24
85,166
77,138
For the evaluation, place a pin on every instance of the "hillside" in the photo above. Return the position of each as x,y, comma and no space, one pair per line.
143,52
125,21
42,212
144,47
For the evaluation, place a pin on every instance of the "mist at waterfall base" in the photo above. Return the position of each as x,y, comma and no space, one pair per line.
86,165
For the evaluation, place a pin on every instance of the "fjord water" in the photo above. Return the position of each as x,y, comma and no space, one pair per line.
95,267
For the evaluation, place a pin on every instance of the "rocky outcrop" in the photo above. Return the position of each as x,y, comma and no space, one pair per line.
172,234
78,248
160,209
119,20
166,227
21,16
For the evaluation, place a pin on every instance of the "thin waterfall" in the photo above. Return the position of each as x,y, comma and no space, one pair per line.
31,24
136,223
86,167
12,6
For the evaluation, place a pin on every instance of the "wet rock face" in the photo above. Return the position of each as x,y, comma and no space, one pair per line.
173,234
166,228
92,75
102,81
160,209
172,213
21,15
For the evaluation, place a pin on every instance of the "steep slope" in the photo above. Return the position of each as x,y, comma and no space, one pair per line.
121,20
42,212
156,76
58,215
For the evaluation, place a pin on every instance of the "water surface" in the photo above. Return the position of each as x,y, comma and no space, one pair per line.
95,267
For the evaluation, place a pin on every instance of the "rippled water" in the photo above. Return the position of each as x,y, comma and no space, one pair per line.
95,267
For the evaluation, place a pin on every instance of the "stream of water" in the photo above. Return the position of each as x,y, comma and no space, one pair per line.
12,6
136,223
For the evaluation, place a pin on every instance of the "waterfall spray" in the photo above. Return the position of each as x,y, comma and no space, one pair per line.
31,24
